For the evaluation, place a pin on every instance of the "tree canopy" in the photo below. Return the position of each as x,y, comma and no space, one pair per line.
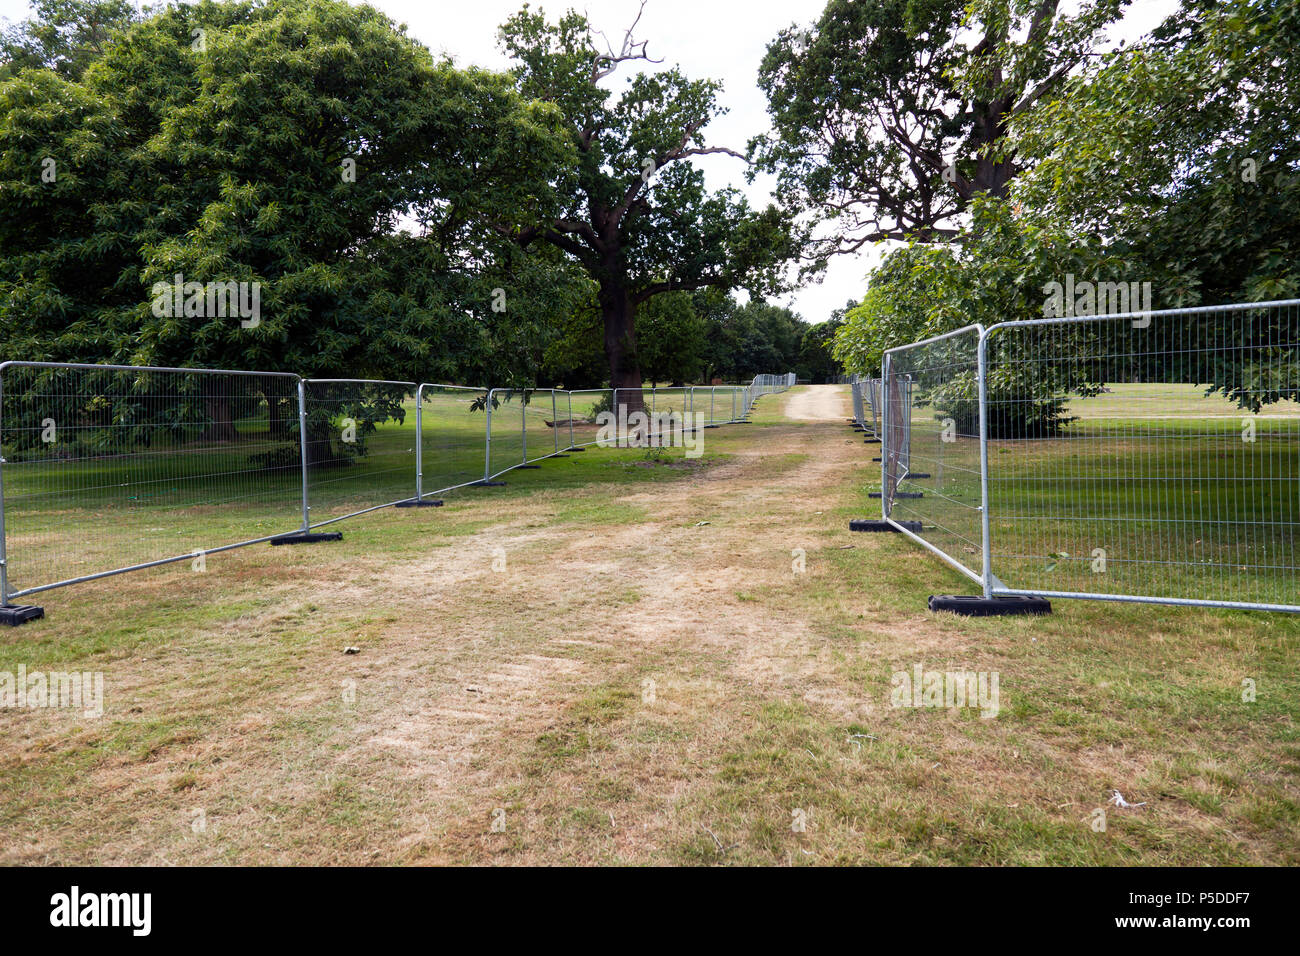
307,146
1174,162
884,111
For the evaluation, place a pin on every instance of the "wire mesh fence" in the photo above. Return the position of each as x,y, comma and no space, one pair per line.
584,408
519,429
871,392
1147,457
452,428
106,469
110,468
541,409
1150,457
930,452
361,446
644,416
766,384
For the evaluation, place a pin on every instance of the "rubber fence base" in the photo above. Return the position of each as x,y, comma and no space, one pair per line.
865,524
308,537
1001,605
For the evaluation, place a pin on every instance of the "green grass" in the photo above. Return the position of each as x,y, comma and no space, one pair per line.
68,517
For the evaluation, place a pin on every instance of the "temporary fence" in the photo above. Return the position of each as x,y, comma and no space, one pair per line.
767,384
859,404
583,416
106,469
866,405
1140,457
451,427
358,457
871,391
521,428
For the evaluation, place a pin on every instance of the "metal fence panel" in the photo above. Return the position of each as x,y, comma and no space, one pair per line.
111,468
504,448
106,469
519,429
452,428
1151,457
541,409
584,408
871,391
361,446
930,446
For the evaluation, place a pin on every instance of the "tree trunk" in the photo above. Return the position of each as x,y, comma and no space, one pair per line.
281,410
221,423
620,343
991,176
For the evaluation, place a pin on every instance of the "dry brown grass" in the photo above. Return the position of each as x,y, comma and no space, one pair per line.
525,691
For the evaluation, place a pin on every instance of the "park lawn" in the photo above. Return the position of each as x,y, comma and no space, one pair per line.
645,677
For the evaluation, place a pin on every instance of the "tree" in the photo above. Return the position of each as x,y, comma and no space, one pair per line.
746,340
817,361
884,114
275,147
672,339
280,146
634,212
65,36
1195,135
1197,132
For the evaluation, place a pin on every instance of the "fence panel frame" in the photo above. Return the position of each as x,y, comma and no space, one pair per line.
307,525
990,583
7,596
886,437
741,397
420,493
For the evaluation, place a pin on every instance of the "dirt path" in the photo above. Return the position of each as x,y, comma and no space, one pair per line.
819,403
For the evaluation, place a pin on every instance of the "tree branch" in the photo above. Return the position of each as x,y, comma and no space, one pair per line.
603,64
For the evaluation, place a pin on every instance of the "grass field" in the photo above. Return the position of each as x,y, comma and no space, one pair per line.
631,657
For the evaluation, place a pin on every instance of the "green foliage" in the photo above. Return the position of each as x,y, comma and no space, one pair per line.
1183,154
214,141
671,339
884,111
1025,401
996,274
746,340
817,361
634,212
64,35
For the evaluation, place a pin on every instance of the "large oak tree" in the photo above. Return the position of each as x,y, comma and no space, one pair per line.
306,145
634,210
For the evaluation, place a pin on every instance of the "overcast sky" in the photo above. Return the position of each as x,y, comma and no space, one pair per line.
719,39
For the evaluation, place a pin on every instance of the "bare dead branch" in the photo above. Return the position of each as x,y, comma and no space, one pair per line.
603,64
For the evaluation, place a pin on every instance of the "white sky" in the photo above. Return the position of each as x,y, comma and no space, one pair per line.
718,39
